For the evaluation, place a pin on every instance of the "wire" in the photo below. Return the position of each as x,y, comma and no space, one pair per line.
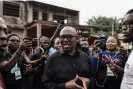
96,79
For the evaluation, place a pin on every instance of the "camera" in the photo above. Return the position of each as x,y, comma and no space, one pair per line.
34,42
102,40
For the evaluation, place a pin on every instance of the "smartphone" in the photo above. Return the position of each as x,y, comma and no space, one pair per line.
102,44
34,42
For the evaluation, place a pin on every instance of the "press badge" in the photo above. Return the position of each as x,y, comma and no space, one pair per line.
18,74
109,72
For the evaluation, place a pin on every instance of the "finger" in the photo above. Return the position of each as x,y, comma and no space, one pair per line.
29,65
76,78
42,54
78,87
96,45
46,53
84,85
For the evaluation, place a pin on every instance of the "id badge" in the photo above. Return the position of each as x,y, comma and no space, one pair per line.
18,74
109,72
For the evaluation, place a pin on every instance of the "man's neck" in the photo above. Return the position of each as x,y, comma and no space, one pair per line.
72,52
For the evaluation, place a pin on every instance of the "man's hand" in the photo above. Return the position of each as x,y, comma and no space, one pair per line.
25,45
106,60
45,55
28,68
115,68
72,84
86,82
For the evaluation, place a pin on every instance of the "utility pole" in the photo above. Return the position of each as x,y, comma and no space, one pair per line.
113,25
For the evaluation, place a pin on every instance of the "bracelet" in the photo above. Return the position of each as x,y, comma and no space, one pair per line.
18,54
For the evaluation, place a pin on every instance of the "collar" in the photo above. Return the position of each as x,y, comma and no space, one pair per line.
62,52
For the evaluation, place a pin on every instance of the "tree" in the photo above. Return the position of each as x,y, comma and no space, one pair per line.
104,24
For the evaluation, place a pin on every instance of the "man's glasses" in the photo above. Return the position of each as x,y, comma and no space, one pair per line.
68,37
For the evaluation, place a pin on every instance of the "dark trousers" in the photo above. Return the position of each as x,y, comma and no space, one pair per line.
112,83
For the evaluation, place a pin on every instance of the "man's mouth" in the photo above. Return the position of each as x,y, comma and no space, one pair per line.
3,46
66,45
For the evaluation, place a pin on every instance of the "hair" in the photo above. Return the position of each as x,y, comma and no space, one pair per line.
130,11
27,38
9,36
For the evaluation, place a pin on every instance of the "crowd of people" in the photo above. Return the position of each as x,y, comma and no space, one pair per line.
66,61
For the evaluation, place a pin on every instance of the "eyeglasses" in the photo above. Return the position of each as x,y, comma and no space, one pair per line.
128,25
14,41
68,37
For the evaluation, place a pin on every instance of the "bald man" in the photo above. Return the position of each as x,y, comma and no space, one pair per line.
68,68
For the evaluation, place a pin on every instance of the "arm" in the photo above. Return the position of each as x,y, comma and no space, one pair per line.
55,34
8,65
36,60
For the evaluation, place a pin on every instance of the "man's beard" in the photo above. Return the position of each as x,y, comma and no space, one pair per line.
84,49
13,49
68,50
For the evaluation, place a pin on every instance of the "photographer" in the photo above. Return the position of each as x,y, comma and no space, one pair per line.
113,63
13,67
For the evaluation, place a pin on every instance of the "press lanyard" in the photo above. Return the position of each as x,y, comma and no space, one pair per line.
111,58
16,65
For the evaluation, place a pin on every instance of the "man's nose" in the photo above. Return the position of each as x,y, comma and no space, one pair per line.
65,39
2,34
124,27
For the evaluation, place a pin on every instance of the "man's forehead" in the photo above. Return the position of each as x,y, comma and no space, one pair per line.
2,23
68,31
45,40
128,18
83,42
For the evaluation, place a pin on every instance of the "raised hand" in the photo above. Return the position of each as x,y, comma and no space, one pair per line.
85,81
45,55
25,45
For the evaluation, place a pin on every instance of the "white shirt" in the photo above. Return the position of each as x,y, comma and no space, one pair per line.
127,82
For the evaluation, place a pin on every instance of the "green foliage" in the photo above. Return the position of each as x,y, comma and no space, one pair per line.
104,24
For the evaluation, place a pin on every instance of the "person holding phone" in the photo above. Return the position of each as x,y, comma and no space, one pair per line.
14,72
113,63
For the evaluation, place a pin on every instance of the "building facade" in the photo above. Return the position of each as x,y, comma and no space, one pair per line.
33,18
